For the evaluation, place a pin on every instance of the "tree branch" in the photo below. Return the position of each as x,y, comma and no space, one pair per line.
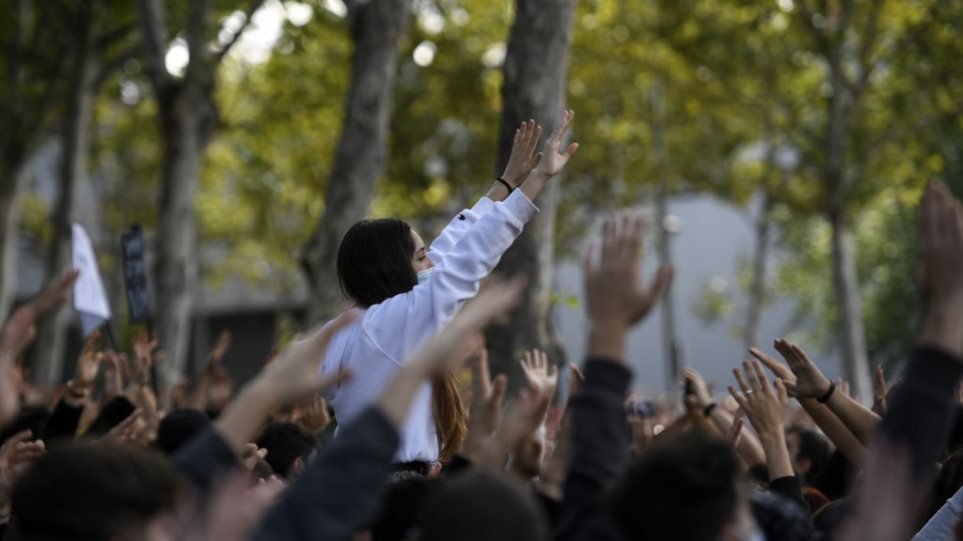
151,17
253,7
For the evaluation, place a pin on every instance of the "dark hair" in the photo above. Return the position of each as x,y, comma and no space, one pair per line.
374,261
285,443
947,482
399,507
682,489
178,427
479,506
813,447
92,491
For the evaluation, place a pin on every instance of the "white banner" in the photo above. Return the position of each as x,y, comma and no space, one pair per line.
90,300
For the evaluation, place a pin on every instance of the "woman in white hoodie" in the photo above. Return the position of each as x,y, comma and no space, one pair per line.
409,292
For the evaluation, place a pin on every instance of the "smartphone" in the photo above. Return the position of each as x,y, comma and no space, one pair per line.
641,408
112,415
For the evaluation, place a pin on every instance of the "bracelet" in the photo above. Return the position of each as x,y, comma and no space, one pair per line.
708,409
504,182
828,394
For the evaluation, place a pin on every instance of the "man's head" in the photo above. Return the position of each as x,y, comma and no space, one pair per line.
288,446
809,450
684,489
178,427
480,506
94,491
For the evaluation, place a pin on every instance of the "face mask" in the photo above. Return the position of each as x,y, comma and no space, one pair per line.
424,275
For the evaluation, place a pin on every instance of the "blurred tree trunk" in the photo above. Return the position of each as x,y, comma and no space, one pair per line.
72,170
760,256
188,118
376,28
32,61
535,72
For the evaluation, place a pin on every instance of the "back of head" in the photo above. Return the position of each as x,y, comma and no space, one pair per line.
399,507
92,491
813,451
178,427
481,506
374,261
683,489
285,444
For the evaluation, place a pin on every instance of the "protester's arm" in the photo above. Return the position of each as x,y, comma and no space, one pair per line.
615,302
18,332
748,446
339,491
400,324
520,164
766,409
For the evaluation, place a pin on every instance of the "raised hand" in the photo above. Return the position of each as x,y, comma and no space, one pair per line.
16,455
615,295
523,158
810,381
941,241
766,409
541,377
779,369
700,391
554,161
486,403
144,351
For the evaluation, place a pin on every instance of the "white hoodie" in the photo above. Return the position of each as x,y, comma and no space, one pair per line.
375,345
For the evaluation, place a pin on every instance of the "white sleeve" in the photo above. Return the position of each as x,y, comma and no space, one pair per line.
400,324
456,229
942,525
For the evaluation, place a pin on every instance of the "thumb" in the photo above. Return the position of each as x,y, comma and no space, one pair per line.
789,387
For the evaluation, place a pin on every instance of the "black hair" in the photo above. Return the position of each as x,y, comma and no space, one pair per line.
399,507
813,447
178,427
285,443
374,261
947,482
685,489
479,506
87,490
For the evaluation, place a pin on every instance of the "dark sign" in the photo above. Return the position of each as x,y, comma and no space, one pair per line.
135,275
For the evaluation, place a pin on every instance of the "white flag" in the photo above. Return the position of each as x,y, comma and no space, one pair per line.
90,301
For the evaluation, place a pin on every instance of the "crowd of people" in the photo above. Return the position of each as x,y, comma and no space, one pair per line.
361,429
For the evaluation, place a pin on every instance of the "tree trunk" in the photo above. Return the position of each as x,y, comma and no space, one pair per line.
72,169
186,115
376,28
534,87
849,304
757,291
10,170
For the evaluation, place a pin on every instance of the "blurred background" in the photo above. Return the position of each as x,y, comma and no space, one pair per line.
779,147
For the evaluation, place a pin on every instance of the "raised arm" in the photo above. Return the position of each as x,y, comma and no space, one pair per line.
431,305
812,384
520,164
748,446
616,302
826,420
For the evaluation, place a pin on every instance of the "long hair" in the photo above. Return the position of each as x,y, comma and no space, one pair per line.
374,261
449,415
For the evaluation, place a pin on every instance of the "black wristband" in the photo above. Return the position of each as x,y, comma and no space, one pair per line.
707,411
508,186
828,394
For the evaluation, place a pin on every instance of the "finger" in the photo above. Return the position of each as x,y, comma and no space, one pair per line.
781,392
319,340
533,163
499,386
741,380
754,383
535,136
738,398
19,437
609,244
761,377
588,259
481,377
735,430
790,387
771,364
